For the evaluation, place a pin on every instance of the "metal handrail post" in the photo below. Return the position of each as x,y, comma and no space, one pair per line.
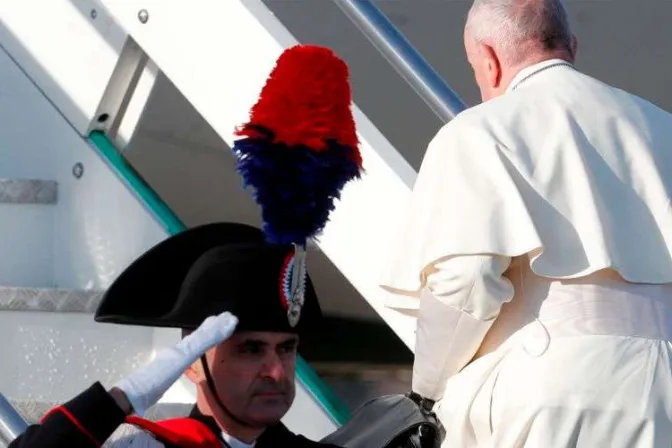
404,57
12,425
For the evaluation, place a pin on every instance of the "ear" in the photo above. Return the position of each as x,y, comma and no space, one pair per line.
493,66
195,372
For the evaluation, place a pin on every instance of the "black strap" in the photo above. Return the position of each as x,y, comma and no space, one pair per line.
425,403
213,391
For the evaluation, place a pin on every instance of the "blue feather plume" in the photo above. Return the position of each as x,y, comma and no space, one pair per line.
296,186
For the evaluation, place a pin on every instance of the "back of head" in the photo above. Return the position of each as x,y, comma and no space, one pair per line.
521,29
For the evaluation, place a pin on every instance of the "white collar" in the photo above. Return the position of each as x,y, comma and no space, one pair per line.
235,443
530,70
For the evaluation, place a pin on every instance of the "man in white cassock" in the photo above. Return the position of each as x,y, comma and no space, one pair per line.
538,249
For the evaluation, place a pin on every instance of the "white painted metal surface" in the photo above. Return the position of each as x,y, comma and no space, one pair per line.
219,58
26,260
54,356
136,105
98,226
68,48
82,242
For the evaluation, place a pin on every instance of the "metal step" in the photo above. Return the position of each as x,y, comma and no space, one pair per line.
48,300
28,191
27,213
32,411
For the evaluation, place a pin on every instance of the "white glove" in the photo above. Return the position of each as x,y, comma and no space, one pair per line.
146,386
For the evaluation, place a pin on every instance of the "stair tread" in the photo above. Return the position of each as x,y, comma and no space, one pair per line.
33,410
28,191
49,299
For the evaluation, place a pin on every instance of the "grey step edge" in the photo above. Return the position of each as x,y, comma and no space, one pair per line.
33,410
49,299
28,191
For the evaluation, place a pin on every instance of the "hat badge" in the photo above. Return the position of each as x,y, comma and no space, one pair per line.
293,284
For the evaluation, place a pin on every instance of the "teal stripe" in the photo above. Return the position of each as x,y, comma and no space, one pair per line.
321,392
137,184
173,225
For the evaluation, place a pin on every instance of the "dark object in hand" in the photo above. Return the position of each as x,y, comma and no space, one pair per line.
425,403
391,421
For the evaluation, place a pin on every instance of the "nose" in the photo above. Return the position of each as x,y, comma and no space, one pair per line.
274,367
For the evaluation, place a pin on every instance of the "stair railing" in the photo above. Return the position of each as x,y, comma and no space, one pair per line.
12,425
405,59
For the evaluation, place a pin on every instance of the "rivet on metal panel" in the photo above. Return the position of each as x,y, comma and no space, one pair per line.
78,170
143,16
94,13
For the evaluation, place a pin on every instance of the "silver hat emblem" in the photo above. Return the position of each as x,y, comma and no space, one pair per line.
297,286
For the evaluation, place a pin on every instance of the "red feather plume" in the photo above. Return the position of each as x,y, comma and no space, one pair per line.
306,101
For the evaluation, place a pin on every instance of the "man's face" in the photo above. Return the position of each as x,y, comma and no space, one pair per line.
254,375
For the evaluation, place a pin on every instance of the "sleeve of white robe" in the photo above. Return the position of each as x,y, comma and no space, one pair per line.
458,305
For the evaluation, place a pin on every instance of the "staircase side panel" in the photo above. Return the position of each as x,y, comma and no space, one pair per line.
54,356
68,48
99,226
26,238
96,228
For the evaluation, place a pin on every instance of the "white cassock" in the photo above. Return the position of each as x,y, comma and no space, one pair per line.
537,252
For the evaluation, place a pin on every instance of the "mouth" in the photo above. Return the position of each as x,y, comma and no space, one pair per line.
270,394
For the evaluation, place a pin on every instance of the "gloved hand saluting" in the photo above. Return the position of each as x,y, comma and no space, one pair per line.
144,387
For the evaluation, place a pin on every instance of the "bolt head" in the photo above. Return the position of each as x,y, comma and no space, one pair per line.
143,16
78,170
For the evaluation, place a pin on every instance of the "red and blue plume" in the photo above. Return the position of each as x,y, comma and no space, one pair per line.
300,147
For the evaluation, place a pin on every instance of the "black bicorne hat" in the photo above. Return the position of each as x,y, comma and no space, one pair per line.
205,271
296,153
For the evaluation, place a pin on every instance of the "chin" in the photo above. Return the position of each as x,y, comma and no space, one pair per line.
269,417
269,410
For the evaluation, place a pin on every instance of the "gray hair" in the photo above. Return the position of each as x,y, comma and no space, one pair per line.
515,25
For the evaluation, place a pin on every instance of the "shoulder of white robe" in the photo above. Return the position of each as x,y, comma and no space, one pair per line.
465,172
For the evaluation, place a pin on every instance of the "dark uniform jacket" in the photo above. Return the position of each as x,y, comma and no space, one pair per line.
90,418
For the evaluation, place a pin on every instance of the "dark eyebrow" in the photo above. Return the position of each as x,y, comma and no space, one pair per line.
258,343
252,342
289,342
